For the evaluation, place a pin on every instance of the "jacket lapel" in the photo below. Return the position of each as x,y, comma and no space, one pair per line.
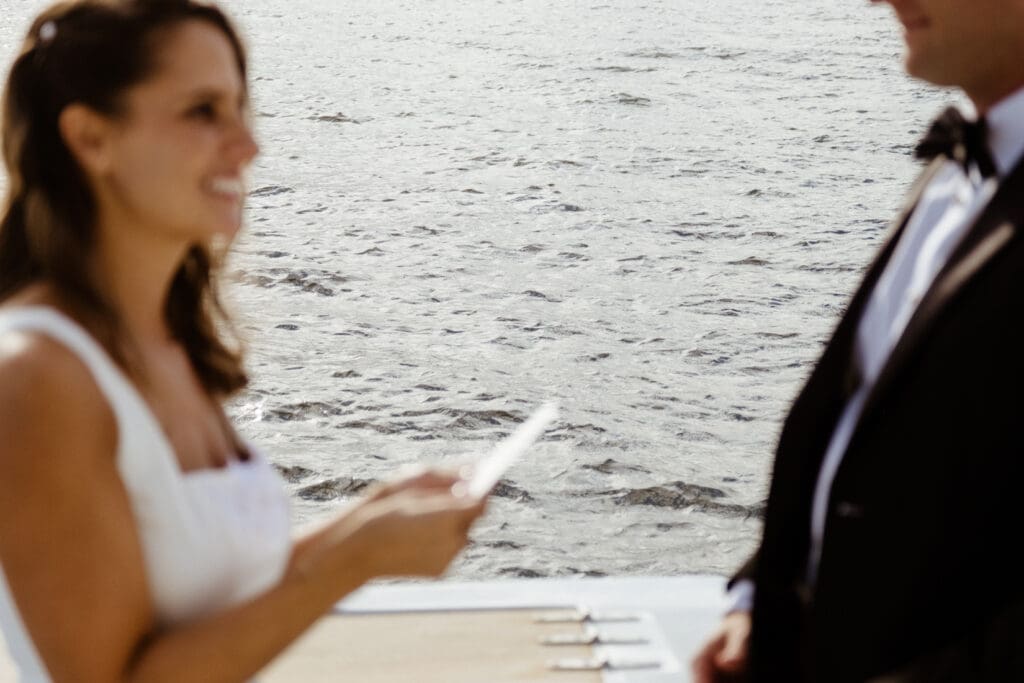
812,417
851,320
998,223
837,360
811,421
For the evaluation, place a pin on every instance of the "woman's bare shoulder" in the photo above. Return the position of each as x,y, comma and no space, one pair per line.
36,358
49,399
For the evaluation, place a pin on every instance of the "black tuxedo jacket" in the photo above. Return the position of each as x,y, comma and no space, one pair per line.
919,576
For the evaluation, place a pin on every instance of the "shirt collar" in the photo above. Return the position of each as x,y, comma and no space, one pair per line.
1005,130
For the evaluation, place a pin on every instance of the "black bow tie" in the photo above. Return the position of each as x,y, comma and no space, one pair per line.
961,140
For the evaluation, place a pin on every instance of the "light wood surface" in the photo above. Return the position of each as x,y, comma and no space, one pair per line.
429,647
8,674
421,647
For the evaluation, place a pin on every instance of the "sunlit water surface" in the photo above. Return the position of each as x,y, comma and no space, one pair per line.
651,212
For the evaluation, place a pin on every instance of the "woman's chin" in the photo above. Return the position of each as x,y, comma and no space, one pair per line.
227,226
217,235
221,240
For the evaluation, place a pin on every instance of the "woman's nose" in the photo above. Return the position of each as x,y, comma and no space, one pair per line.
251,147
243,146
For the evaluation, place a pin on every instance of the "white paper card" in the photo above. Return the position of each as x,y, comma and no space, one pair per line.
487,473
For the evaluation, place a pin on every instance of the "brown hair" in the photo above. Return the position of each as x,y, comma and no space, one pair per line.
90,52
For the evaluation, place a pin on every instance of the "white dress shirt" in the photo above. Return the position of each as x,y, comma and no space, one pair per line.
948,207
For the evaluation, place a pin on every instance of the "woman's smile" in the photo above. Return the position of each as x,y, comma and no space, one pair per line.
226,187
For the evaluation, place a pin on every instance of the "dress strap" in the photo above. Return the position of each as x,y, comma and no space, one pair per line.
143,454
45,320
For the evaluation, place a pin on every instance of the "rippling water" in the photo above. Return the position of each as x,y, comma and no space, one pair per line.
651,212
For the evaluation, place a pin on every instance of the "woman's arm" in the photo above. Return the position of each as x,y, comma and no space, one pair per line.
409,533
67,542
72,558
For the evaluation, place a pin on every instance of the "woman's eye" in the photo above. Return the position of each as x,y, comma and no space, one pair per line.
203,111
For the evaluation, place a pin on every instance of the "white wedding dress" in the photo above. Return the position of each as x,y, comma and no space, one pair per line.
211,538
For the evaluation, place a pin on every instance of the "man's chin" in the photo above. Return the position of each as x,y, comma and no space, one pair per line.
922,68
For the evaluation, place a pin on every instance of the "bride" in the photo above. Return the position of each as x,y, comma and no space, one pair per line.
141,539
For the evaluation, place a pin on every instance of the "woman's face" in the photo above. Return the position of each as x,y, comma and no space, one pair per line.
178,154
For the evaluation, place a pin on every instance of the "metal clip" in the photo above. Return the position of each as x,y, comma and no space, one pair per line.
602,664
585,615
590,636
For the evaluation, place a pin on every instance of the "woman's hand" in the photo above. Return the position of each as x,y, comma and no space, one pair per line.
724,655
414,526
415,478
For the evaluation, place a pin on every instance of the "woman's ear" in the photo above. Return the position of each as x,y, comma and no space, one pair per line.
87,133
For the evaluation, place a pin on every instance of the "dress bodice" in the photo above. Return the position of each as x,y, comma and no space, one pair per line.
211,538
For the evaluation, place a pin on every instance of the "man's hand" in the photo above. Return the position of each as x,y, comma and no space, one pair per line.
724,655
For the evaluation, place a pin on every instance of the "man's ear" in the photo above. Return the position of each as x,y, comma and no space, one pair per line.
87,133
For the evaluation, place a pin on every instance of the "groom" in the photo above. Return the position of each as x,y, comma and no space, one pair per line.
891,535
